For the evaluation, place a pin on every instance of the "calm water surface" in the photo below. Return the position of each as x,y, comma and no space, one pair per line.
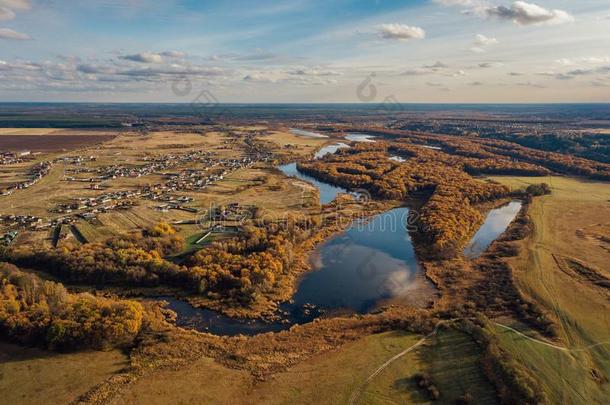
309,134
355,137
328,192
330,149
495,224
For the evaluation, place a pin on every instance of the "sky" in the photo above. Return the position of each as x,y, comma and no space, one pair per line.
305,51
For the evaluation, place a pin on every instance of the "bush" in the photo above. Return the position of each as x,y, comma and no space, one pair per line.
538,189
424,382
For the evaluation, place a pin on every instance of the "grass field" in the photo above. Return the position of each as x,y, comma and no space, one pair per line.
326,379
33,376
331,378
297,144
566,224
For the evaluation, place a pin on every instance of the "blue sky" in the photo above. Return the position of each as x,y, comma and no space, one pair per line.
305,50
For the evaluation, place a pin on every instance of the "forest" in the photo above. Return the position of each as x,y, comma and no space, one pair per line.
37,312
238,269
507,151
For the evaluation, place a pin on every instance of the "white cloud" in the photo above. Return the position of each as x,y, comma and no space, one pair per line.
313,72
523,13
258,78
144,57
482,40
587,61
401,32
531,84
436,68
7,33
437,65
6,14
417,72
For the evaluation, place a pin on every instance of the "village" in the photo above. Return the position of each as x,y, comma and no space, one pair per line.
189,172
35,174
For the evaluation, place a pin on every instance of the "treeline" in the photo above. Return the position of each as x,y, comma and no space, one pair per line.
589,146
513,382
481,148
44,313
129,259
238,269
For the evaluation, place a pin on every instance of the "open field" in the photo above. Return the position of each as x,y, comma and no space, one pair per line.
50,140
566,377
571,223
33,376
327,379
451,359
295,144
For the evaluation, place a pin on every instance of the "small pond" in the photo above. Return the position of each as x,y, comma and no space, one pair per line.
356,137
309,134
496,222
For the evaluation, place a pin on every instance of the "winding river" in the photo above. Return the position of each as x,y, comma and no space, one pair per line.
328,192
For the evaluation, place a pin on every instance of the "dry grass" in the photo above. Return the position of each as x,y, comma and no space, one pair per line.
323,379
579,307
33,376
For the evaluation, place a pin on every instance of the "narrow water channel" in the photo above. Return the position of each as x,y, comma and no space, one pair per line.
330,149
496,222
328,192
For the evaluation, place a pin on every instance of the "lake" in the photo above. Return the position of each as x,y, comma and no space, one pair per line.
371,262
496,222
309,134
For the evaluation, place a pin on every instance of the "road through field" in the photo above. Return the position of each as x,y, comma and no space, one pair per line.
355,396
